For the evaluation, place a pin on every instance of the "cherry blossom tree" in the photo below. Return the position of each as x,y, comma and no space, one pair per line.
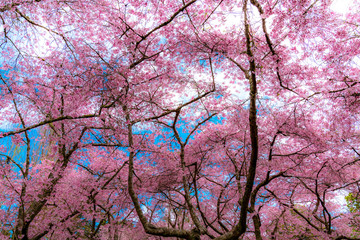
198,119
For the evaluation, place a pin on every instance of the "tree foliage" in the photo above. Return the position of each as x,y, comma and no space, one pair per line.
191,119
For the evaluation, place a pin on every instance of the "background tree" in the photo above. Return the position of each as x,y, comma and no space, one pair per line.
180,119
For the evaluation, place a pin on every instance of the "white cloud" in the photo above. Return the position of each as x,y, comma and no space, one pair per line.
341,6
